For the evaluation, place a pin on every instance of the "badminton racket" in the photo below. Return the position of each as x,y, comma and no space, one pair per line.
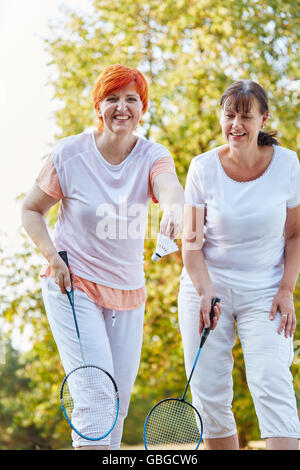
174,423
89,395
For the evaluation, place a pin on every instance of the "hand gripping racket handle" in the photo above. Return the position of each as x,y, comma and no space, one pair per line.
206,330
204,336
64,257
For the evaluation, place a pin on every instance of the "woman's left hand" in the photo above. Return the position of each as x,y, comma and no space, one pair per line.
284,304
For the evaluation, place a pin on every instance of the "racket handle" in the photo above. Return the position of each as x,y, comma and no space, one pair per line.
212,311
64,257
206,330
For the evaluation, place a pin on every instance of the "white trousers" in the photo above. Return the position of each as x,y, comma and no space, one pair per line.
267,357
113,344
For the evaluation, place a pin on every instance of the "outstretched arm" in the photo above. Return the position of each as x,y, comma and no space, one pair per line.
170,194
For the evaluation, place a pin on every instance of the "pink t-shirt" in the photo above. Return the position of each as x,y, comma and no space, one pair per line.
103,214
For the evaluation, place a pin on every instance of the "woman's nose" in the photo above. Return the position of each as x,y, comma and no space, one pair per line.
121,105
237,120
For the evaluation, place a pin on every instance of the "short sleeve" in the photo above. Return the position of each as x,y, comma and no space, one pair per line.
194,194
48,181
163,165
294,199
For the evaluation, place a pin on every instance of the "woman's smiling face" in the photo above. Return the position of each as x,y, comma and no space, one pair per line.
121,111
240,126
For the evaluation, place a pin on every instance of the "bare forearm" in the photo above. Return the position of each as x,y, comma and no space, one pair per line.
291,264
34,224
170,195
195,265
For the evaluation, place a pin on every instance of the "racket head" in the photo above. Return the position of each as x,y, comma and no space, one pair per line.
173,423
89,391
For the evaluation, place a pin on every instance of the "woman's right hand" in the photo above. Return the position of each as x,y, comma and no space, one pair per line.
205,308
60,273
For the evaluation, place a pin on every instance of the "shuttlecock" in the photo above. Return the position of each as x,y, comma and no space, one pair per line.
164,246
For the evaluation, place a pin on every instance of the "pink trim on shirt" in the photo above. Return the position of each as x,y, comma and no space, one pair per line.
48,180
163,165
107,297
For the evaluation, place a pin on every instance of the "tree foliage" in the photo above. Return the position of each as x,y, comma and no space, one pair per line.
190,51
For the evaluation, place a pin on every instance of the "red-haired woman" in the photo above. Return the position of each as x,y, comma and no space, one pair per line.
242,243
104,179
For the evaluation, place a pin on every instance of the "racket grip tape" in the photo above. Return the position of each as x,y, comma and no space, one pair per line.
64,257
212,311
206,330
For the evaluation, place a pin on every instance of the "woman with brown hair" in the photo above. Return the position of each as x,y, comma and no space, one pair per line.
241,243
104,179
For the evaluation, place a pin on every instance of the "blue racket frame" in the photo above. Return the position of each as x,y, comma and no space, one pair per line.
66,415
173,399
203,339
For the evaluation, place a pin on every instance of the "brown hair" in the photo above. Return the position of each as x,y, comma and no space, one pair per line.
241,94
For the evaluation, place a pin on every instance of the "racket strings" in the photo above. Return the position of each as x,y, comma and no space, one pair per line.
173,424
90,401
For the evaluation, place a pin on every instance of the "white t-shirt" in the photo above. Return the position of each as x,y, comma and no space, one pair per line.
103,213
243,234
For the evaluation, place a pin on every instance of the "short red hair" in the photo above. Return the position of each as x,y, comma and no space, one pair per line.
114,78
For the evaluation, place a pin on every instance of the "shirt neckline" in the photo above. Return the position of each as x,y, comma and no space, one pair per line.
267,170
111,165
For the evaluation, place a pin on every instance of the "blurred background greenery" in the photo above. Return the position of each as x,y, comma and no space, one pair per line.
190,51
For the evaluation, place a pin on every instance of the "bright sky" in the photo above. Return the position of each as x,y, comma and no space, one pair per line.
26,124
26,109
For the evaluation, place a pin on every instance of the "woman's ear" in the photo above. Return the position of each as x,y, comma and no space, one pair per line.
265,119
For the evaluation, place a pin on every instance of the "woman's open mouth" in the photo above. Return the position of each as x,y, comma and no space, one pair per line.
121,118
237,136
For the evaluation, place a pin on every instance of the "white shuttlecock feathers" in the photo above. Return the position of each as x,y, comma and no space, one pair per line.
164,246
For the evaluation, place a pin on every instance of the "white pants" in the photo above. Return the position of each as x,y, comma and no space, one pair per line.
113,345
267,357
